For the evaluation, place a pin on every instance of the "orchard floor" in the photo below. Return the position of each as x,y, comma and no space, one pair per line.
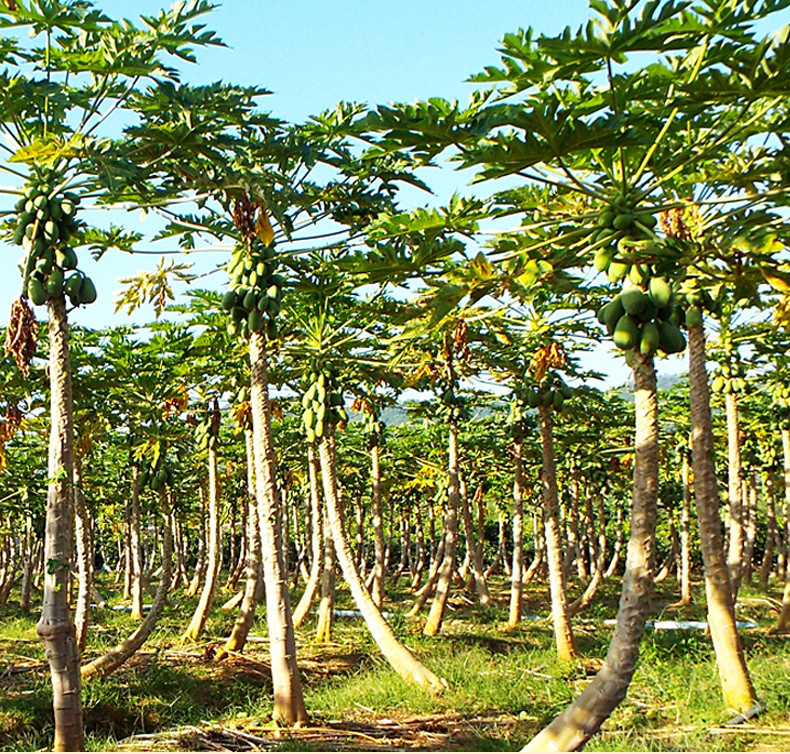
503,686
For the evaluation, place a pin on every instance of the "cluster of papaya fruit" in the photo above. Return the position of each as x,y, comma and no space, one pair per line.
729,378
46,221
552,392
204,437
255,295
373,426
322,404
623,234
156,476
645,320
781,396
454,406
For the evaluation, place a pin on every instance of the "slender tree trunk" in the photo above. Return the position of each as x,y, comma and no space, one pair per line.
399,657
735,495
596,577
750,520
685,534
476,556
112,660
583,718
618,544
55,627
84,560
517,572
563,633
317,537
445,575
200,563
735,681
770,529
253,588
783,624
136,547
27,567
200,616
326,608
289,707
377,587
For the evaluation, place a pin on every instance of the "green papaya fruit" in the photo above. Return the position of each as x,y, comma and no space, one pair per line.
254,320
250,300
229,300
308,417
606,218
650,339
51,231
670,338
660,292
626,333
55,282
613,313
634,300
693,317
532,398
649,312
603,258
271,329
238,313
73,284
617,271
558,400
19,235
87,293
36,292
623,221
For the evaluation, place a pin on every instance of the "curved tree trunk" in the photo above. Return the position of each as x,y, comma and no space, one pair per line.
398,656
253,588
84,560
112,660
735,681
445,574
570,730
517,571
200,616
563,634
472,547
377,587
735,494
783,624
289,707
55,627
317,538
136,546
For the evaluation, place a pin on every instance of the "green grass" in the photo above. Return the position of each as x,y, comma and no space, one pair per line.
503,686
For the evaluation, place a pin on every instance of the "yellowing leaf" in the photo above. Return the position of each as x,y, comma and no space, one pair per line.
263,228
779,280
47,150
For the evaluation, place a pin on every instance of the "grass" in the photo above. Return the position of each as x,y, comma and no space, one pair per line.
503,685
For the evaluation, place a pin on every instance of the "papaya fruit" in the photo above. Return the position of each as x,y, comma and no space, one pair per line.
254,320
660,291
55,282
229,300
649,312
87,293
617,271
634,300
626,333
73,284
603,258
613,314
670,338
557,400
250,300
693,317
271,329
650,339
623,221
36,291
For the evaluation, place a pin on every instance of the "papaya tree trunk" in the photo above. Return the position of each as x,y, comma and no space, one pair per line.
735,494
476,556
84,559
573,727
289,707
447,567
377,587
55,627
253,587
136,547
736,684
783,624
770,528
200,562
317,537
112,660
517,571
398,656
200,616
326,607
563,634
685,533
